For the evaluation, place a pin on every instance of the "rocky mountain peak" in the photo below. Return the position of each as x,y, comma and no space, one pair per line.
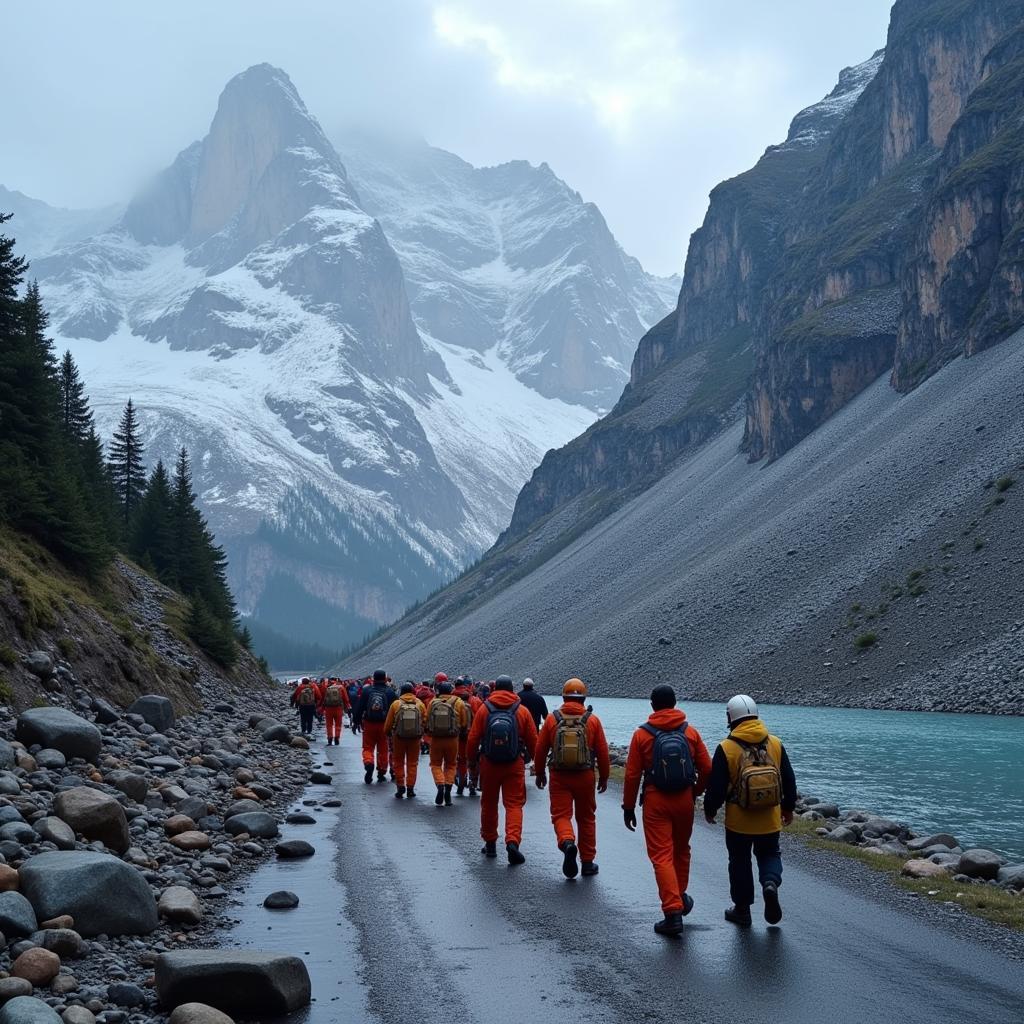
259,116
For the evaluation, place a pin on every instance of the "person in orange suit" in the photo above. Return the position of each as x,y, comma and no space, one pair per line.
571,744
370,716
404,724
447,722
464,691
668,756
335,703
501,742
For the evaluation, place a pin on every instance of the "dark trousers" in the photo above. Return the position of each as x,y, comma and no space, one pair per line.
741,876
306,713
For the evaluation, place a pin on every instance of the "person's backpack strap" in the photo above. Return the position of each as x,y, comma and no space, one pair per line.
557,715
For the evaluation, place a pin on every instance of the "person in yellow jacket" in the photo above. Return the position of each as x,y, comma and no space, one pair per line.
751,775
405,723
447,721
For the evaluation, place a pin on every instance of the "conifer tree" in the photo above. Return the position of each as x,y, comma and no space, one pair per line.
75,416
127,471
152,542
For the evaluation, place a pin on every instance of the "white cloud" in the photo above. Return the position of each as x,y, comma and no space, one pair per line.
622,60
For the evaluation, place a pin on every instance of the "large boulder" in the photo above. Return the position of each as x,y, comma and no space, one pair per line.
95,815
17,916
236,981
40,664
60,729
936,839
6,755
923,869
979,864
256,823
28,1010
1011,876
81,883
156,710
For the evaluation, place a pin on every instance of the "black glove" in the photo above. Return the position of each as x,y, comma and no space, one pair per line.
629,818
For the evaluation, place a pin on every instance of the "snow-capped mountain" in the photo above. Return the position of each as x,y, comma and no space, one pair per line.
254,308
510,258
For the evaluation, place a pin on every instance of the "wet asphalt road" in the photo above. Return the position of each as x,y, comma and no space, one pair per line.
412,924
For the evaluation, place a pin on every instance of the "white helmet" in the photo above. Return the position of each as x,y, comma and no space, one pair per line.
740,707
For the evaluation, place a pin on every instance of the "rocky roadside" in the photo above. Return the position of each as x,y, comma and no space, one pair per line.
122,833
937,855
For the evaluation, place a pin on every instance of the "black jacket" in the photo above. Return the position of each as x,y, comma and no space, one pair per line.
535,704
389,698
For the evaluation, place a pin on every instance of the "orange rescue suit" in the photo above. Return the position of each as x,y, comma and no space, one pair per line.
668,817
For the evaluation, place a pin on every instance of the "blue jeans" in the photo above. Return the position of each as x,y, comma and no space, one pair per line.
741,876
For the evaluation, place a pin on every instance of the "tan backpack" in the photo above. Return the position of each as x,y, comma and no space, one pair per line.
408,721
758,781
307,696
570,750
333,697
442,718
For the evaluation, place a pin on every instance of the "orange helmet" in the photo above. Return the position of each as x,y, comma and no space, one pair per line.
440,678
574,688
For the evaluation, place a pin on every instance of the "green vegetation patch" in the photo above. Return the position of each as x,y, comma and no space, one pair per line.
866,640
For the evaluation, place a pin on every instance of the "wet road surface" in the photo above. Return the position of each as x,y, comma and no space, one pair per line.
410,923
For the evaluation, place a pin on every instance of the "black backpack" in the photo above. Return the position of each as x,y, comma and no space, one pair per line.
501,734
376,705
672,769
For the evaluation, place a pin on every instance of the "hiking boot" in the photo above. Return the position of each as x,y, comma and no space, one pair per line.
410,793
400,792
514,856
472,789
739,916
490,849
381,776
687,903
447,796
570,868
672,924
589,868
460,787
439,799
772,908
368,775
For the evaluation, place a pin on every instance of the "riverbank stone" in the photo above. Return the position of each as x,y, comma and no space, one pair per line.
81,883
256,823
979,863
281,900
17,916
60,730
180,904
95,815
923,869
237,981
54,830
199,1013
28,1010
1011,876
292,849
38,966
937,839
154,710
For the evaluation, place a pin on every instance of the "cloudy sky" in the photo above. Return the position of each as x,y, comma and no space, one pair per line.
641,105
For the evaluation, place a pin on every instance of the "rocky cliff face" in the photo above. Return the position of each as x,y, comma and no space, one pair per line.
691,369
889,210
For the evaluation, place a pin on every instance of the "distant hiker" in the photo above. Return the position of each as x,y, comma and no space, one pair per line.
371,713
533,702
447,721
501,741
751,775
404,725
668,756
306,698
335,702
571,744
464,691
353,699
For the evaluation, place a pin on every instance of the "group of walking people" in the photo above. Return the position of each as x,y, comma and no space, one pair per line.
486,736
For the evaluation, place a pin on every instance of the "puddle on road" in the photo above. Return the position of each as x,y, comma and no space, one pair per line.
316,929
